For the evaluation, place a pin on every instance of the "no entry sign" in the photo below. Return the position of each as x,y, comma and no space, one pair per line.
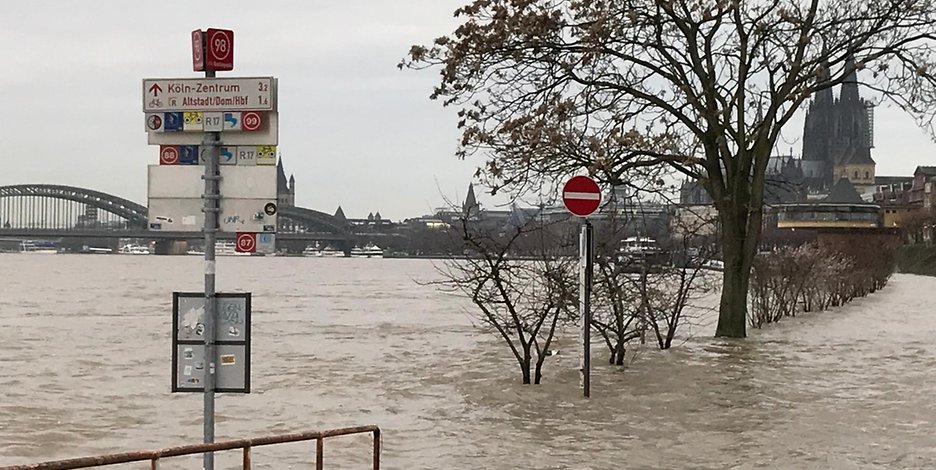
581,195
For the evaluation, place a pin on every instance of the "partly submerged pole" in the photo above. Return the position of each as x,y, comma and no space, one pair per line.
586,248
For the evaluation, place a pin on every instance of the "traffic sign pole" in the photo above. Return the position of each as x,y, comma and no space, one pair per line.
212,143
582,197
586,250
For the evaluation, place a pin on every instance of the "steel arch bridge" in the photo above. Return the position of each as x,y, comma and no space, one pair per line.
46,209
46,206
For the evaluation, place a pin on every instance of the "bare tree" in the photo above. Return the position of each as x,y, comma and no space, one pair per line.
647,290
680,284
549,87
522,288
815,277
615,303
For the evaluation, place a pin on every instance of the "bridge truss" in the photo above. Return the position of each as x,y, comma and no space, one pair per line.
67,208
56,210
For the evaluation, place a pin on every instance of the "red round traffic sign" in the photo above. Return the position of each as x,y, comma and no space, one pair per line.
220,44
219,50
246,242
168,155
581,195
250,121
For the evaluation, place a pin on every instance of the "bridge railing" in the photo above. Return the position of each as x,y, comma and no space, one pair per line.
154,456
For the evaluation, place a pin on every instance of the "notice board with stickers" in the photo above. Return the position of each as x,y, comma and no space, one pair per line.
232,342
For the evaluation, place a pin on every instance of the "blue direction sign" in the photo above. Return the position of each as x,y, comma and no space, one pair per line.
173,122
188,155
227,156
232,121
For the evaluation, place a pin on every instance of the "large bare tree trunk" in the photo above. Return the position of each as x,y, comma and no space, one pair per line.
525,367
732,311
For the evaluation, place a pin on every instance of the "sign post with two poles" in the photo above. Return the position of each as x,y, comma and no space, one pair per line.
582,197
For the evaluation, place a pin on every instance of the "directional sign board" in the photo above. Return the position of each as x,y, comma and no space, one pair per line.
232,339
209,94
171,132
250,155
212,121
581,195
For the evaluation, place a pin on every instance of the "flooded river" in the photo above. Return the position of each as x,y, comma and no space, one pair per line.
85,369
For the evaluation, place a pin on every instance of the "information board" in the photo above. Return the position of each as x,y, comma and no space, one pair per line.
232,342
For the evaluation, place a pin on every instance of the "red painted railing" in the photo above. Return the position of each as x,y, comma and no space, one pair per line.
154,456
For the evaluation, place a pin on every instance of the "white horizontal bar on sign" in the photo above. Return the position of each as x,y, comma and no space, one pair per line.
176,215
243,182
586,196
237,182
175,181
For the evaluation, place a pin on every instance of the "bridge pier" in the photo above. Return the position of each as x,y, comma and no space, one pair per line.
171,247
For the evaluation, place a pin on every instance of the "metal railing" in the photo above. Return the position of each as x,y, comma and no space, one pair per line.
154,456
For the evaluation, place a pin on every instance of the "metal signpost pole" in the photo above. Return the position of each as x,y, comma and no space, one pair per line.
212,208
586,247
582,196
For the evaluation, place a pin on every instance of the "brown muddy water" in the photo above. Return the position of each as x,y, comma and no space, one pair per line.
85,368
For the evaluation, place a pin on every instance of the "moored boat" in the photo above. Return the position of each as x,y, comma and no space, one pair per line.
368,251
38,247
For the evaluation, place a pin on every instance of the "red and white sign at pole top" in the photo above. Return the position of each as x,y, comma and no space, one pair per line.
198,51
219,49
581,195
168,155
251,121
245,242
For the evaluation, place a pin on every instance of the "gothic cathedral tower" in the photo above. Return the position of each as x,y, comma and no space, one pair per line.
837,137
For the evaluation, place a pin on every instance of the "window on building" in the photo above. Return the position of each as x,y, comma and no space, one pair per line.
856,174
867,175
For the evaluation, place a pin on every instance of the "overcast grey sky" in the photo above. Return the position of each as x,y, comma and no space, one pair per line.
354,130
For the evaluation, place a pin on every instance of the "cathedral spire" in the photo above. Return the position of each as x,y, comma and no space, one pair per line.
850,83
824,96
282,185
471,206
